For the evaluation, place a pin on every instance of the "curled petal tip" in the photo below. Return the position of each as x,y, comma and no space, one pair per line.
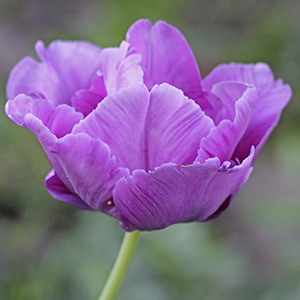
40,49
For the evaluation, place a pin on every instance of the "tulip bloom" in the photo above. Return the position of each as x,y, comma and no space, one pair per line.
135,133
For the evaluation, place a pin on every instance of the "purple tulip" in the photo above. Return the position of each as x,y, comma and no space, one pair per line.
134,132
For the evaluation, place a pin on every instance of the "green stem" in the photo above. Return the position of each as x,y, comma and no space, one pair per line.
120,267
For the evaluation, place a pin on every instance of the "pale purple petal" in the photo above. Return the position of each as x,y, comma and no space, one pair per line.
62,120
84,166
42,132
30,77
238,102
89,167
260,75
19,107
146,130
86,101
58,190
46,123
174,128
48,140
65,67
119,121
265,117
118,70
272,97
32,114
59,121
166,56
227,93
173,194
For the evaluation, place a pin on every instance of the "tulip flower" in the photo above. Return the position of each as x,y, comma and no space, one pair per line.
134,132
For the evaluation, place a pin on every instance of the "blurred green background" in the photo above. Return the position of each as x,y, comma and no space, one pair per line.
50,250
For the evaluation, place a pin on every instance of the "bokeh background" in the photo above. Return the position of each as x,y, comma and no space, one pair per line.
50,250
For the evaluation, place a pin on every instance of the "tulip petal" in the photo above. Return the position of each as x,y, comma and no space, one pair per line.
86,101
65,67
166,56
265,117
59,121
31,77
259,75
174,128
94,174
58,190
119,121
118,70
146,130
46,123
173,193
272,97
238,104
18,108
62,120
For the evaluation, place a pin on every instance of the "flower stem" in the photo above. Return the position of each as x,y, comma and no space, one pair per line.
120,267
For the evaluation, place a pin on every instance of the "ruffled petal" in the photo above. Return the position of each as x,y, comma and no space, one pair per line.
86,101
119,121
22,105
118,70
265,117
166,56
259,75
84,167
272,97
145,130
65,68
174,128
89,167
238,102
46,123
60,121
58,190
173,193
30,77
